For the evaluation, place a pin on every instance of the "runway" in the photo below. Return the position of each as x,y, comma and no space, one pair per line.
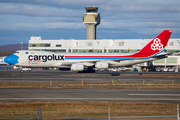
81,95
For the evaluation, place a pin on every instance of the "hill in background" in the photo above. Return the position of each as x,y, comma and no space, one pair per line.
6,50
13,47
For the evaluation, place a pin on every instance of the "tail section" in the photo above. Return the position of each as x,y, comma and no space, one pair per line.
156,46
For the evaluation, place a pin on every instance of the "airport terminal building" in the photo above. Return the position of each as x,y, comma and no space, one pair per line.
91,19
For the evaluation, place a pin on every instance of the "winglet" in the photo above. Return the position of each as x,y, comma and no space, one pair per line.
156,45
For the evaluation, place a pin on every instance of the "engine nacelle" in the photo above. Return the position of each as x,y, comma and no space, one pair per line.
77,67
101,65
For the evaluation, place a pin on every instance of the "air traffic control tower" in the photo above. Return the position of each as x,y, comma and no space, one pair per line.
91,19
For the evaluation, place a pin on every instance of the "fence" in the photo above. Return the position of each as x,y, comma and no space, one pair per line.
110,115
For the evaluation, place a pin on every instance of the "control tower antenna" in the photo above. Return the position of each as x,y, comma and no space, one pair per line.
91,19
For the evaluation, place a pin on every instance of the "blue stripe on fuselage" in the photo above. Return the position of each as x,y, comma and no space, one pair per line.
159,52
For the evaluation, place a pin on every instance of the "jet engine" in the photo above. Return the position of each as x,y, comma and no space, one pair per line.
101,65
77,67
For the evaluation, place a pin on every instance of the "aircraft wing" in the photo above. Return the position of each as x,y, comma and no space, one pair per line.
162,55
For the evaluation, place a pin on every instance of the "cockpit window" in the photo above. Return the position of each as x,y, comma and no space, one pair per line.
17,52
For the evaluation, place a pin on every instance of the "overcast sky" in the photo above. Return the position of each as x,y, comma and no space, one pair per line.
63,19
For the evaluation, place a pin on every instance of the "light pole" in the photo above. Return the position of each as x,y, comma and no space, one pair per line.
21,45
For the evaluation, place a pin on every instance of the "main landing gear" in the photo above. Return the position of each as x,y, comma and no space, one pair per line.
89,70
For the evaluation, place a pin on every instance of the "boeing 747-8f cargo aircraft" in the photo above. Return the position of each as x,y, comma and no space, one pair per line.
87,61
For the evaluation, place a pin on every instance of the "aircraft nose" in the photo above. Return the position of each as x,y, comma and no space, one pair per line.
12,59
